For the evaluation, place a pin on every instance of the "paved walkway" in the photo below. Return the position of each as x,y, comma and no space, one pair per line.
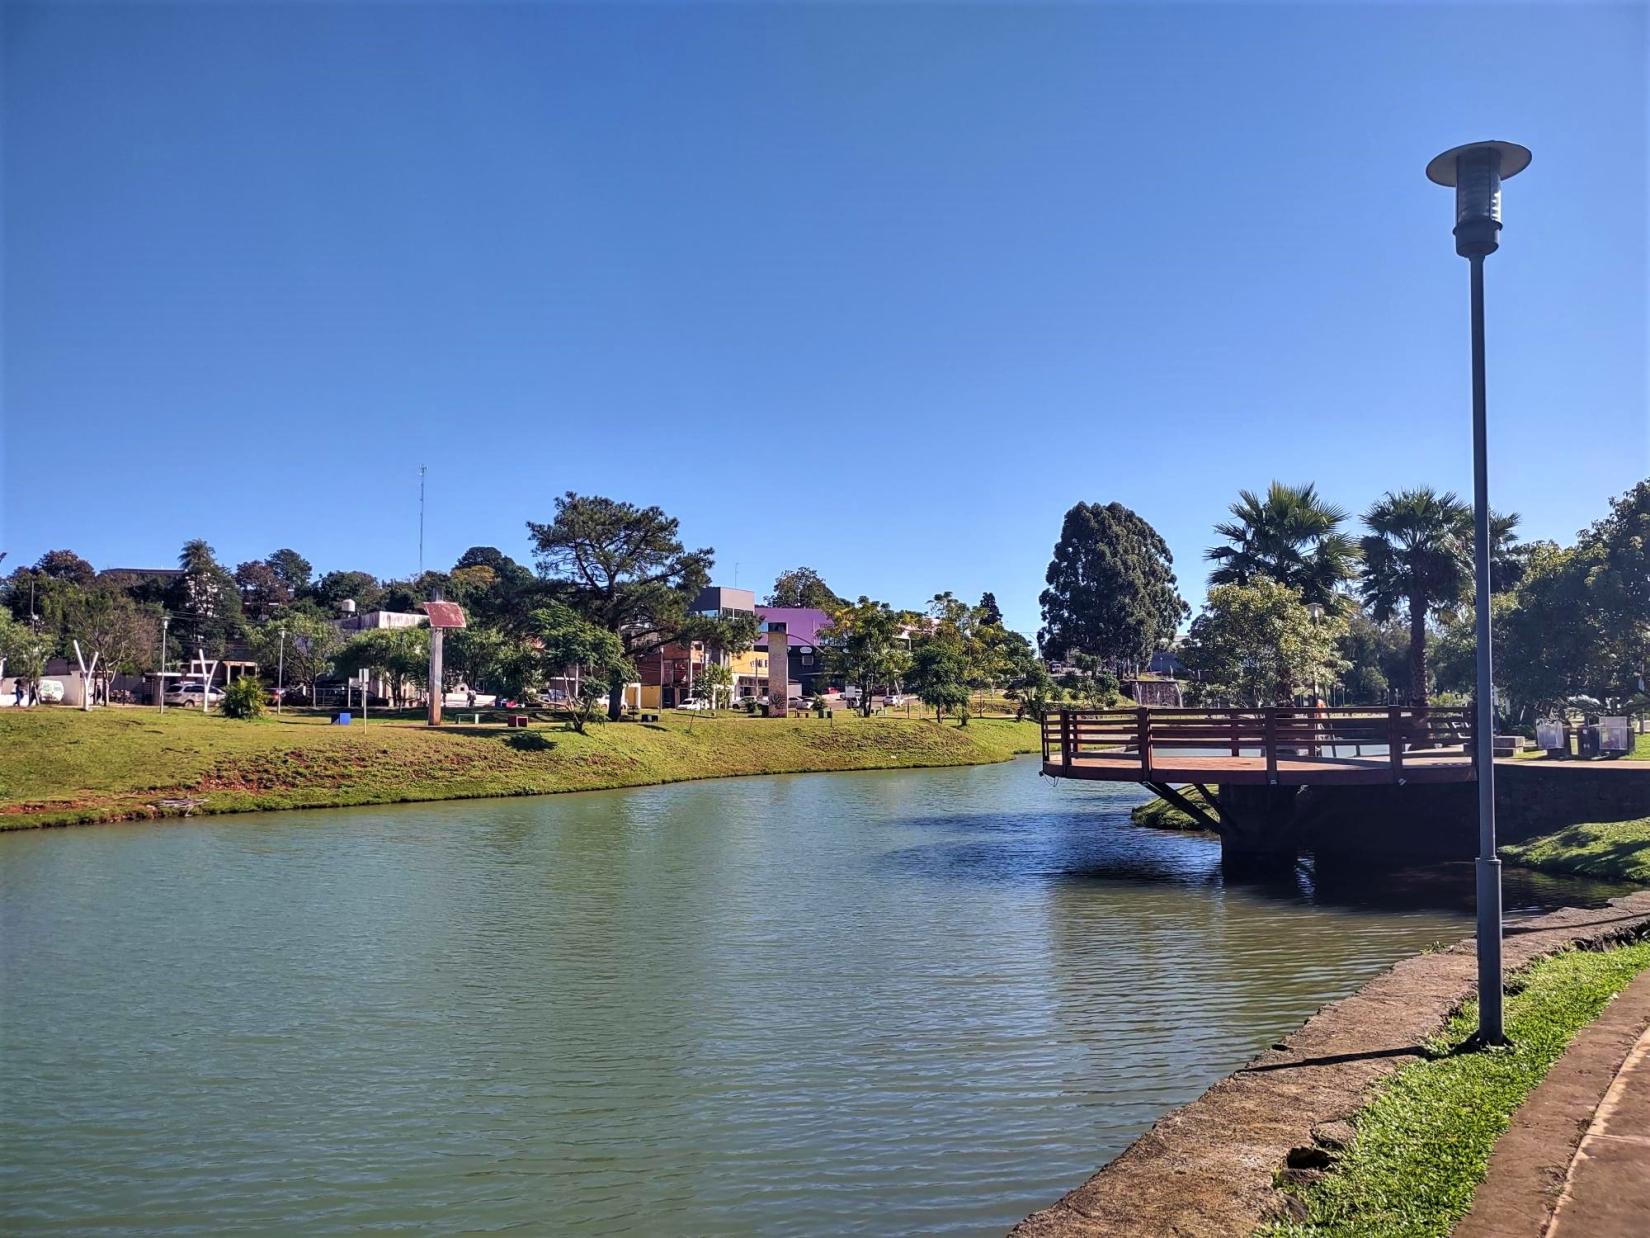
1576,1161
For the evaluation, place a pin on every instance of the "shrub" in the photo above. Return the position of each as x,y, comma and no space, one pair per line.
244,697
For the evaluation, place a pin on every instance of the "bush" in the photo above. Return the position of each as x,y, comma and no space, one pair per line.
244,697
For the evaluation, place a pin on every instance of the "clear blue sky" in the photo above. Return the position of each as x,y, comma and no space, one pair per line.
963,265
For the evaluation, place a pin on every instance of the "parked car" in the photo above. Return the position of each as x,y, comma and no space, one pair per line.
51,691
893,700
697,703
193,693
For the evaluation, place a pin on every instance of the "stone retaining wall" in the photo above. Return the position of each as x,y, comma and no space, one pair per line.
1209,1167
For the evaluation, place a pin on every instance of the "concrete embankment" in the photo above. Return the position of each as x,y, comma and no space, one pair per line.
1211,1167
1441,820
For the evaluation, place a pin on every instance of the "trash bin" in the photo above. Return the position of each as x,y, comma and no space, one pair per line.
1587,745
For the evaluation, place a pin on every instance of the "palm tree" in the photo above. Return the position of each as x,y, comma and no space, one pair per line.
1293,537
1508,556
1417,557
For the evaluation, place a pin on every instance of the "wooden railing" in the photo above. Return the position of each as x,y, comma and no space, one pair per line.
1149,735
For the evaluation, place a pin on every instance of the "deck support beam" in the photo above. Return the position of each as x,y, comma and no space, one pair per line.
1164,791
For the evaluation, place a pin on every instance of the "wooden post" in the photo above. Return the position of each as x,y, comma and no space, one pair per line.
1143,737
1065,741
1237,749
1395,742
1270,739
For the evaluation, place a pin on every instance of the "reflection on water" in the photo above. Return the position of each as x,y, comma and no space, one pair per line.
903,1002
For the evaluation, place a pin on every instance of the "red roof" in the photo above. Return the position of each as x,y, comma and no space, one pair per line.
443,614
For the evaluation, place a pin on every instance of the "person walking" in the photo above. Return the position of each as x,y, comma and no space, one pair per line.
17,688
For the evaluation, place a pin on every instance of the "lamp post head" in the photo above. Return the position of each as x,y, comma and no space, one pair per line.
1476,172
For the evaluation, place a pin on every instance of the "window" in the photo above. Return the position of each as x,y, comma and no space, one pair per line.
807,659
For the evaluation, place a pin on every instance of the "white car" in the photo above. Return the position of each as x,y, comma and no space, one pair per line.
192,693
893,700
51,691
696,703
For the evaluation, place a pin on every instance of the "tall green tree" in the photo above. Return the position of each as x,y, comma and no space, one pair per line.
1111,587
1418,562
291,569
108,623
400,655
1617,552
65,565
1291,536
304,656
802,586
867,645
335,588
1253,643
563,638
939,676
1377,657
622,567
263,589
1509,557
990,612
23,651
494,589
205,600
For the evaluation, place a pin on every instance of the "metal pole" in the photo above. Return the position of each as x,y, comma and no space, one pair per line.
160,679
280,672
1490,1029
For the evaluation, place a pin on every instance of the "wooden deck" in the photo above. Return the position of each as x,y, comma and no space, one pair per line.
1271,747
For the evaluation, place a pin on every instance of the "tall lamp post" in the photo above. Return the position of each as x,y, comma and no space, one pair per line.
160,679
1475,172
280,671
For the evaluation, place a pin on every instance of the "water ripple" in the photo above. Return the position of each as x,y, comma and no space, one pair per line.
896,1003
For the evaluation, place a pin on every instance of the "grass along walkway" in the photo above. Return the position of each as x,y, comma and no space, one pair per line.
65,767
1611,850
1424,1142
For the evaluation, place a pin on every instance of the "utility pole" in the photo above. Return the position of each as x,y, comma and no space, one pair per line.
421,471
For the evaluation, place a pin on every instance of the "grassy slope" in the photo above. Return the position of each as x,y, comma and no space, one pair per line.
1424,1142
60,766
1613,850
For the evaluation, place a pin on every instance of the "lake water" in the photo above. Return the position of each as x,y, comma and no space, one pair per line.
897,1003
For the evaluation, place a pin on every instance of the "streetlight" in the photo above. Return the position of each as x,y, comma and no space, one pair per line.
160,679
1476,171
280,671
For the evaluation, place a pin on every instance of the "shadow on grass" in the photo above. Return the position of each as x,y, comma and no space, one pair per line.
529,741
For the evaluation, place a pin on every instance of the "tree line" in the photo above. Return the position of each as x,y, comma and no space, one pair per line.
1299,603
609,584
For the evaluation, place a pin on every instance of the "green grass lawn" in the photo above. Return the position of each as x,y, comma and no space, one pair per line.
1425,1141
1611,850
63,766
